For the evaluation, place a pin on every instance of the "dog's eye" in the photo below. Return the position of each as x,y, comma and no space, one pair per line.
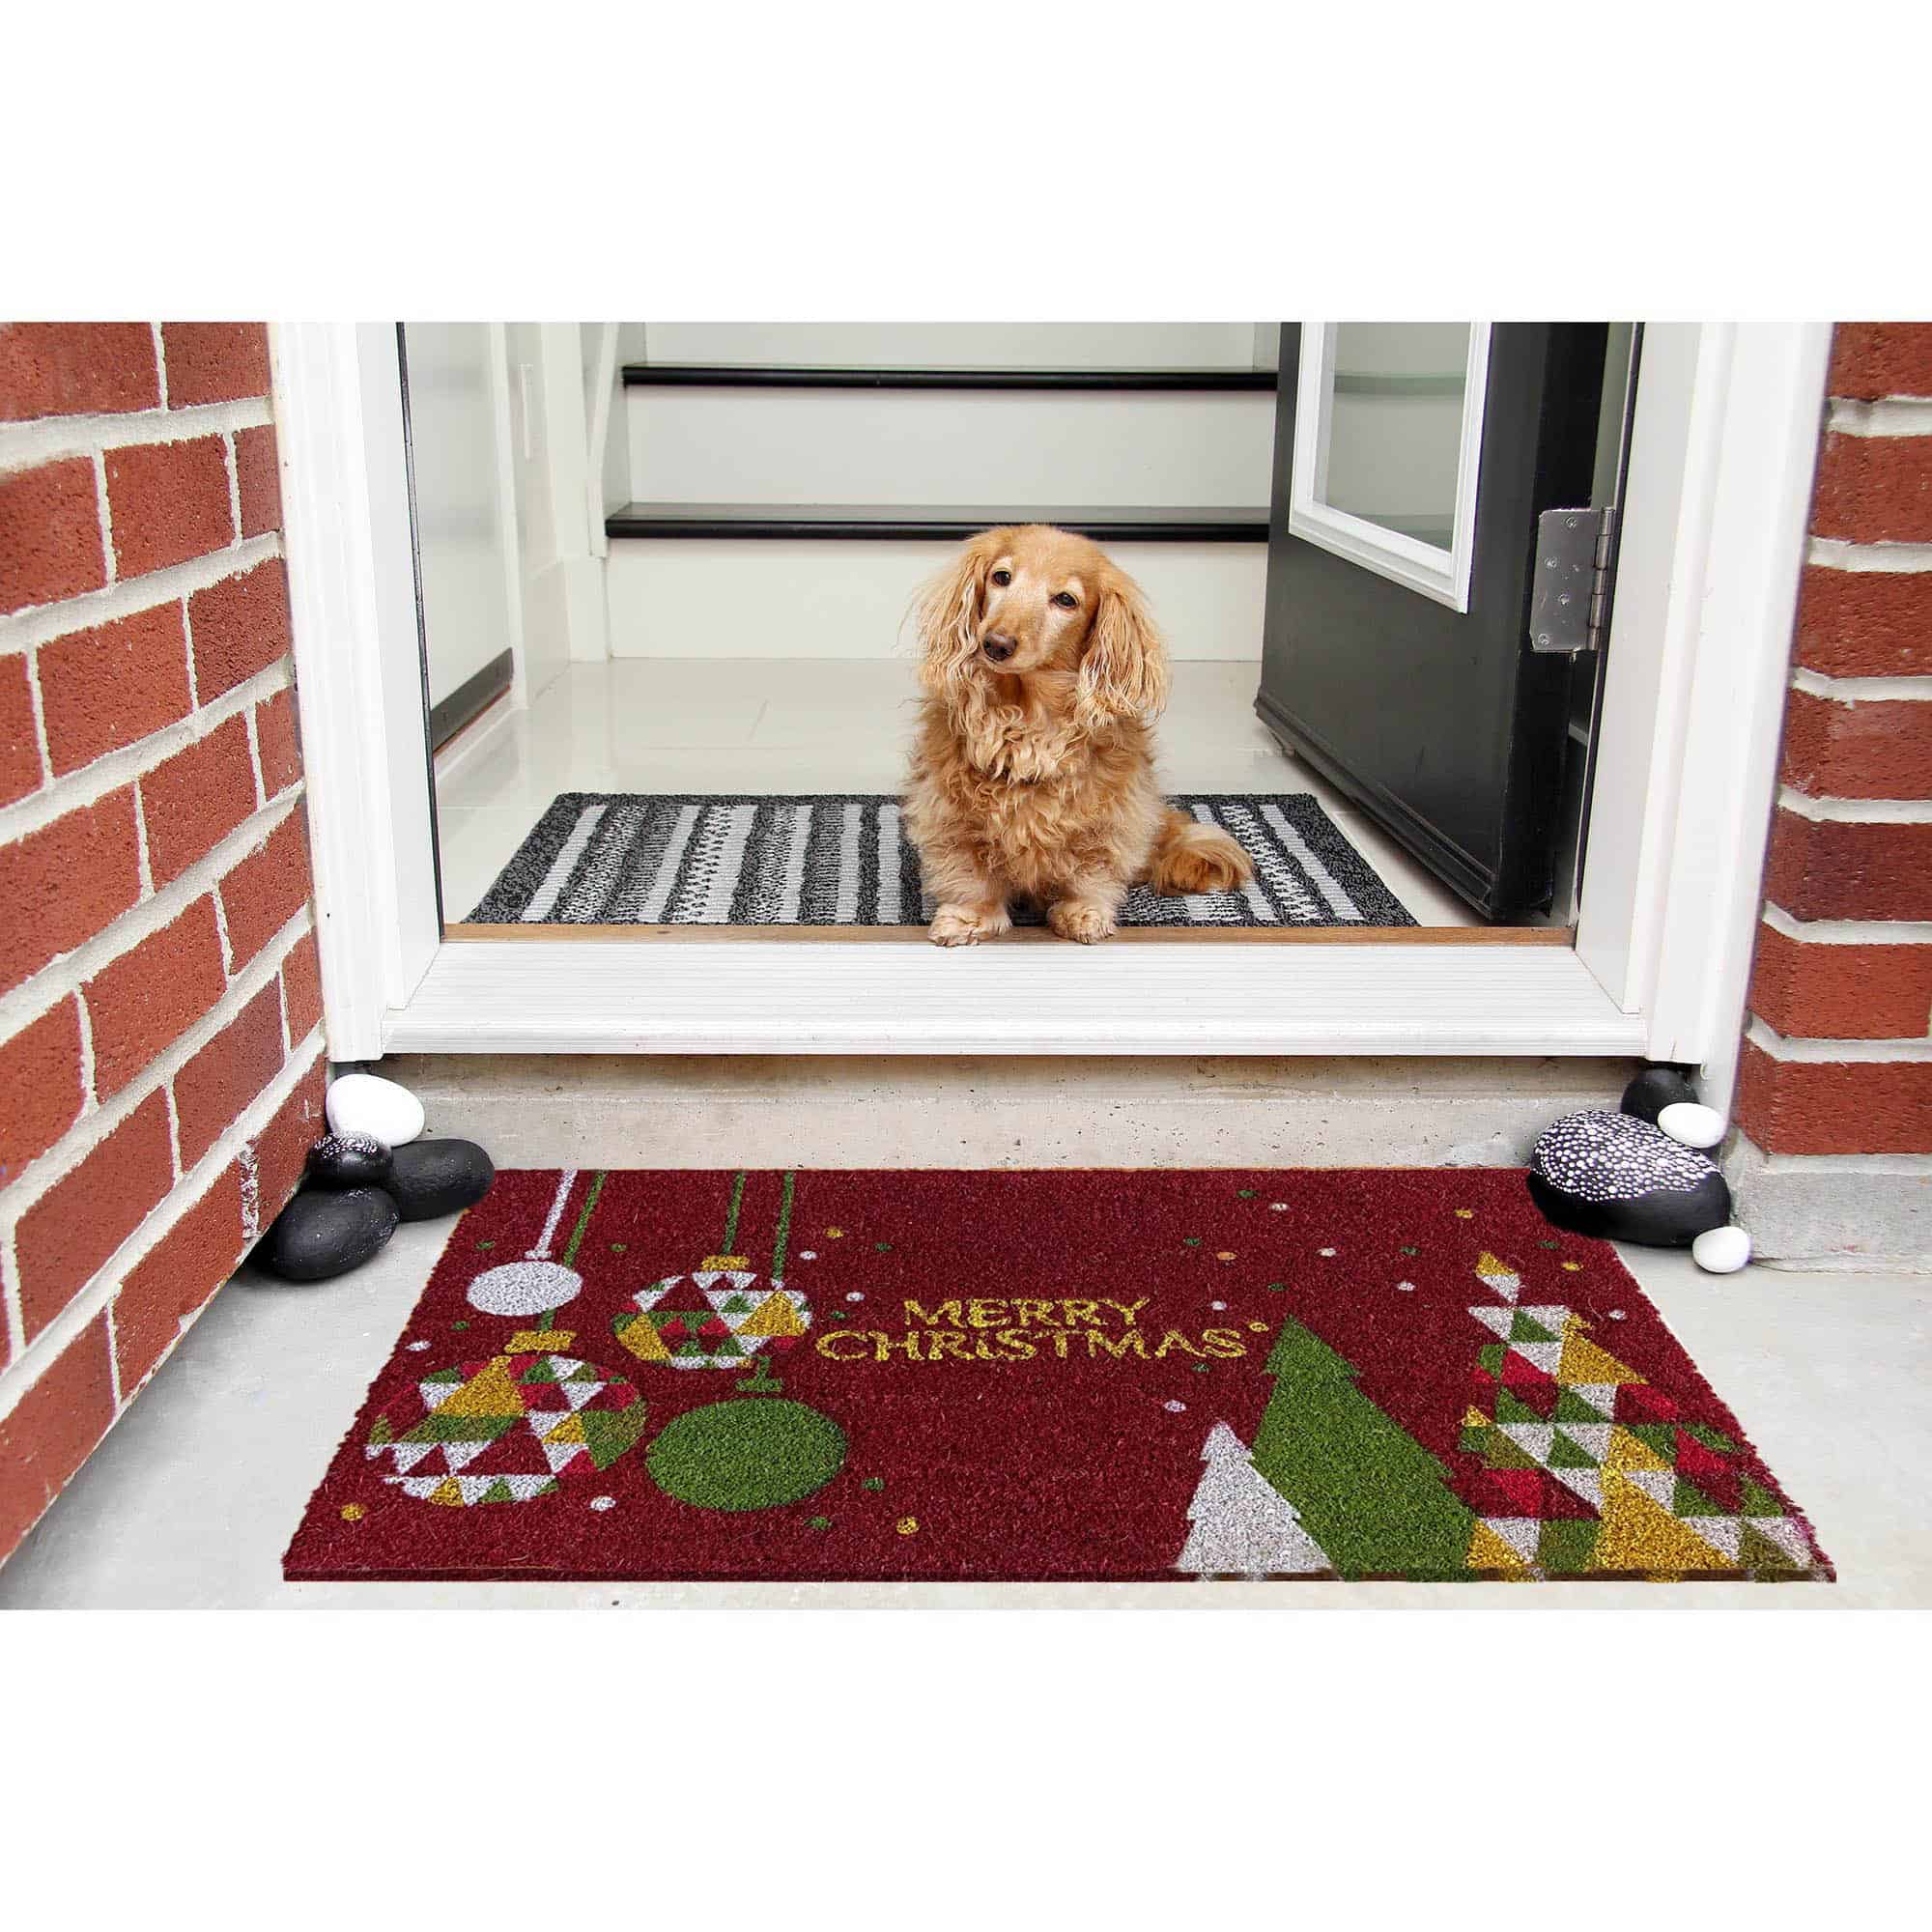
1066,600
1003,576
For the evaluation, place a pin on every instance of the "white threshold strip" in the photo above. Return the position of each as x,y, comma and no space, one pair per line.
815,996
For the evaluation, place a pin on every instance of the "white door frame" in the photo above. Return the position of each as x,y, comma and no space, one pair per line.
364,734
1724,444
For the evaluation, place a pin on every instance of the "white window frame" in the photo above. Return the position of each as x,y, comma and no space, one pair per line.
1442,575
1723,445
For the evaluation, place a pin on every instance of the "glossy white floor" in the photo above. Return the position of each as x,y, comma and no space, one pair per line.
190,1501
773,724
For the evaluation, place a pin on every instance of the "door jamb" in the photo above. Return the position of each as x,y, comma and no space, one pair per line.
364,729
1722,450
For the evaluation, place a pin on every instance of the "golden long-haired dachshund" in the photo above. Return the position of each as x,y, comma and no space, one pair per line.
1033,770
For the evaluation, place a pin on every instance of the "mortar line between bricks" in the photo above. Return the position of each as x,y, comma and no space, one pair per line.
24,445
103,513
1891,558
25,1003
187,645
1848,931
144,864
1797,1050
84,1021
51,1168
1862,690
1892,416
113,1365
160,362
90,784
131,596
29,1364
234,484
255,758
37,704
1855,810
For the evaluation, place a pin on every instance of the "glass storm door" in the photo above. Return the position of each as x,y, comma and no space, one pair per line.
1411,462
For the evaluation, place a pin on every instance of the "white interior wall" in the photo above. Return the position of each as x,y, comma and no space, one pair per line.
560,579
979,345
462,541
738,598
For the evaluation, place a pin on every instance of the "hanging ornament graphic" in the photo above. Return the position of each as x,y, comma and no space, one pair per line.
516,1426
505,1431
722,1314
755,1449
536,1285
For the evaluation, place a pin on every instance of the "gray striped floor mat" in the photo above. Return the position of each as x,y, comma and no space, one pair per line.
843,859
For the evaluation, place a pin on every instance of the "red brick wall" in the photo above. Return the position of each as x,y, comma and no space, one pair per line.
160,1041
1837,1052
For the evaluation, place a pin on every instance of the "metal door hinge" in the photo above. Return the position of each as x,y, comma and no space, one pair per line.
1570,597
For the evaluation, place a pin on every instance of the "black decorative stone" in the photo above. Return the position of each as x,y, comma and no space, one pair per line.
1654,1089
348,1160
322,1234
1622,1179
432,1177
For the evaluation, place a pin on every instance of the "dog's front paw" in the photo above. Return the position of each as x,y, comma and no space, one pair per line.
966,926
1081,920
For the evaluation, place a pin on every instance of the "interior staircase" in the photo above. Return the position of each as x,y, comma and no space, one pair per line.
791,508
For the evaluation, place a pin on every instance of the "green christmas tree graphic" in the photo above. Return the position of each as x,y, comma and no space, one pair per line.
1366,1491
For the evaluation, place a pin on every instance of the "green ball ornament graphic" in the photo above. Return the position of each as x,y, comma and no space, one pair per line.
753,1452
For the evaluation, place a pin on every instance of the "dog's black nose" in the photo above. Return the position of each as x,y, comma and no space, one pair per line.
998,647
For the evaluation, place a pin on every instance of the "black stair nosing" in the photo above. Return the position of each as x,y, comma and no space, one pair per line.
834,376
927,523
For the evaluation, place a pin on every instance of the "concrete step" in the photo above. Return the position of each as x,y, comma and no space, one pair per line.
671,1111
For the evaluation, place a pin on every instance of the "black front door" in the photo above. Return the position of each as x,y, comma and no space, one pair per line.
1395,656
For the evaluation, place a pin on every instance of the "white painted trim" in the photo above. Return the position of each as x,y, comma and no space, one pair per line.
508,420
1722,455
828,997
359,669
1676,438
1440,575
607,406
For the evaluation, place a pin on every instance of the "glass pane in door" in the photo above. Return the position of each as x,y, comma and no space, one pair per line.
1394,420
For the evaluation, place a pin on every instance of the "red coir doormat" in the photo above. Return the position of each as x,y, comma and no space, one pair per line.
1049,1374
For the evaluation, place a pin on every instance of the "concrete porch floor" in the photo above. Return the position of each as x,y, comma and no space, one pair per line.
190,1501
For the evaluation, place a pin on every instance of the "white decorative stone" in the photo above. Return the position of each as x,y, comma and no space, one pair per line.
365,1103
1693,1125
1722,1250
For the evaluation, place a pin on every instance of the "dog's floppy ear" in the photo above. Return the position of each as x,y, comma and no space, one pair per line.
948,614
1123,673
